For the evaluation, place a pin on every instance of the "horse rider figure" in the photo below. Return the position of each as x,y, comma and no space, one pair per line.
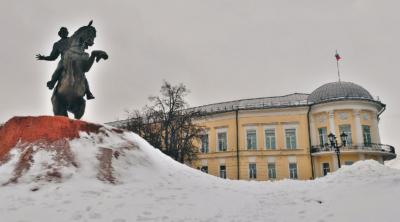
59,48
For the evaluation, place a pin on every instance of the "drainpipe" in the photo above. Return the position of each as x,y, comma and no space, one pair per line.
237,143
309,140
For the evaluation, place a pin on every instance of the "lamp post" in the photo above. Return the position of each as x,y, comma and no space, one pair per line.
336,146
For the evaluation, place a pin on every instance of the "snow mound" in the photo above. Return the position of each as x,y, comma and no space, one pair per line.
361,170
99,173
56,152
395,163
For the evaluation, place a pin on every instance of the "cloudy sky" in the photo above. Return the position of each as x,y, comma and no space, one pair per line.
220,49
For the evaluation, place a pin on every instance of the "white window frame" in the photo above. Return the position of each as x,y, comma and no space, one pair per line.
297,171
349,135
204,166
326,140
293,159
276,174
201,142
255,171
363,133
219,171
322,168
265,138
221,130
295,127
245,136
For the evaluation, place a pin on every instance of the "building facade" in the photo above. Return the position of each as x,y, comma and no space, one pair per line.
282,137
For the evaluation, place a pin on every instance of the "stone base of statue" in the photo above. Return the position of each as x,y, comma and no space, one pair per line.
43,149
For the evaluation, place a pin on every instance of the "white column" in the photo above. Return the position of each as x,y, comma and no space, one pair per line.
357,124
375,122
332,122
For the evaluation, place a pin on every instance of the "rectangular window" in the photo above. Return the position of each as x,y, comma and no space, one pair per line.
323,137
325,168
222,141
290,138
271,171
251,135
366,135
222,171
204,143
348,162
252,171
204,169
293,170
346,129
270,140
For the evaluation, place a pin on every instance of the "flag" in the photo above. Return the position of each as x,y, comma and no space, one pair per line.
337,56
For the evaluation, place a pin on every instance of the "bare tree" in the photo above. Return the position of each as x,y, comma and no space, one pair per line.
168,123
145,125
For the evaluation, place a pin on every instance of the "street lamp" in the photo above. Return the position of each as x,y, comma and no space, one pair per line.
335,145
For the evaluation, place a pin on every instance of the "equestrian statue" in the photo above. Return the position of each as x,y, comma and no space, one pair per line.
72,85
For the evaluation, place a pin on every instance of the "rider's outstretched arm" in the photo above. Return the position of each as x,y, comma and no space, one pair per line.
53,55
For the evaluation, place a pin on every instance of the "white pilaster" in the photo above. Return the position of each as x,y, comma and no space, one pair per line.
375,122
357,124
313,132
332,121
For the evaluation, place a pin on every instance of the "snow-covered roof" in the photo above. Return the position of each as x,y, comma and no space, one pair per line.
295,99
291,100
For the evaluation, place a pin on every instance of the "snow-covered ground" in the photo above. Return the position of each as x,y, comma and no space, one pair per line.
152,187
395,163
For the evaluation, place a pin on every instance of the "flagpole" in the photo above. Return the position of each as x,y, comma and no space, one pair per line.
337,65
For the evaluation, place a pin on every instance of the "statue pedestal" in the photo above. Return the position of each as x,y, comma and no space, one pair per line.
41,145
43,128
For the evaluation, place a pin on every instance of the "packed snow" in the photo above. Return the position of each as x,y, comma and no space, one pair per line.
149,186
395,163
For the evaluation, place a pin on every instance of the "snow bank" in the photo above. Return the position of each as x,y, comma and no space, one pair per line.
118,177
395,163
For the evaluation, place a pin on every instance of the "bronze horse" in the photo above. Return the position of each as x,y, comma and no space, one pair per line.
70,90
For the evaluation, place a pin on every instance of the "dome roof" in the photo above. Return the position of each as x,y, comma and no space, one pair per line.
339,90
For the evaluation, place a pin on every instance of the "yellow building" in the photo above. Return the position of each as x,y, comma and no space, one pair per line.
287,136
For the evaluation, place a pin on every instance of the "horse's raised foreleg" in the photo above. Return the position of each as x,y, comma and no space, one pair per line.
59,107
79,108
96,55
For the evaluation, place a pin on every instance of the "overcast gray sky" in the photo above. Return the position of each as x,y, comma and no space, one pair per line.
220,49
